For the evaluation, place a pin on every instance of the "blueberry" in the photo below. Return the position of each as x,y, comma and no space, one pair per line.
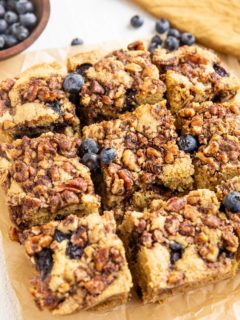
156,39
2,42
56,106
232,201
174,33
2,11
11,17
220,70
44,261
187,143
187,39
175,256
73,82
24,6
28,20
88,146
83,68
60,236
107,155
175,246
171,43
76,42
10,41
176,252
3,26
74,251
13,28
21,33
137,21
162,25
153,46
91,161
11,4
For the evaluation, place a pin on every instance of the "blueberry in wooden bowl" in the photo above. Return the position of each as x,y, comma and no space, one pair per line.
21,23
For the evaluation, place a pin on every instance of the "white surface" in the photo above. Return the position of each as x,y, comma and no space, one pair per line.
92,20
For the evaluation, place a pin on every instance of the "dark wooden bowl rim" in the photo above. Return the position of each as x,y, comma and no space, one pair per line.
43,20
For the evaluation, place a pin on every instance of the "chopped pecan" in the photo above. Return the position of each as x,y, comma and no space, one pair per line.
21,171
172,225
127,178
211,221
70,197
176,204
187,228
31,204
95,87
141,225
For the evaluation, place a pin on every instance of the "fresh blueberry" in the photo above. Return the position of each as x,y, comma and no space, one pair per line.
83,68
44,261
187,39
220,70
13,29
60,236
2,11
21,33
11,4
11,17
91,161
162,25
28,20
88,146
107,155
76,42
24,6
10,41
156,39
137,21
232,201
174,33
3,26
73,82
153,46
74,251
2,42
171,43
187,143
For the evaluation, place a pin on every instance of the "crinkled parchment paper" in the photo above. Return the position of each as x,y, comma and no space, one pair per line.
220,301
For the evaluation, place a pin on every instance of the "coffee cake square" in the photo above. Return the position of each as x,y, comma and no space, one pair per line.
80,264
44,180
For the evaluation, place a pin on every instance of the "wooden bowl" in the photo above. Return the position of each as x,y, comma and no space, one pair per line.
42,10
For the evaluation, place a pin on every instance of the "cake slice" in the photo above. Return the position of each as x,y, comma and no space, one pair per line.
119,82
44,180
146,153
80,264
217,161
82,61
35,102
203,120
179,244
194,74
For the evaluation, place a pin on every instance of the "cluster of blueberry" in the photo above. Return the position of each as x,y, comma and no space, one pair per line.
92,156
174,38
17,19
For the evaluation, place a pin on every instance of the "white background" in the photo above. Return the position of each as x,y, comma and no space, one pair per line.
94,21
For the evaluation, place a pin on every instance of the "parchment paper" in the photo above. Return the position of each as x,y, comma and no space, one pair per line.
220,301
